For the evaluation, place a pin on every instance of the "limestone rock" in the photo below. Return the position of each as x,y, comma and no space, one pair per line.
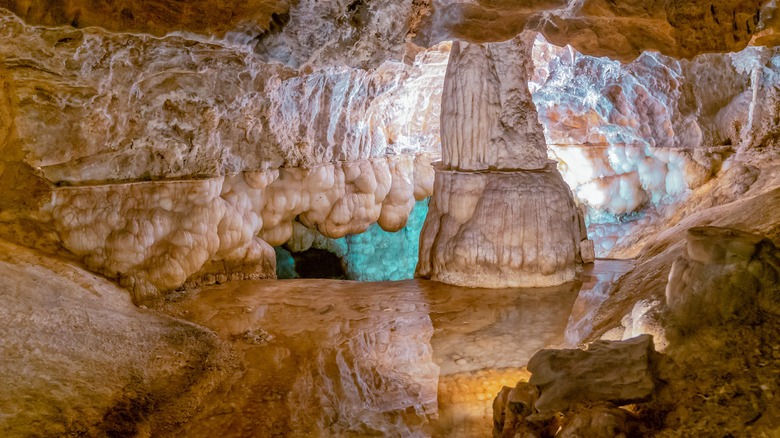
619,372
514,414
501,216
131,107
156,17
618,29
500,229
488,120
79,359
601,421
645,319
587,251
155,236
725,275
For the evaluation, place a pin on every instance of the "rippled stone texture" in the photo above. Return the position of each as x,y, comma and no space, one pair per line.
94,106
500,229
251,146
501,215
488,120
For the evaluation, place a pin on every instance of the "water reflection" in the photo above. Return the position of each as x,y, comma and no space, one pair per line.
597,280
340,358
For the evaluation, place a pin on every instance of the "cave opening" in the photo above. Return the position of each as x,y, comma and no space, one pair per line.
318,263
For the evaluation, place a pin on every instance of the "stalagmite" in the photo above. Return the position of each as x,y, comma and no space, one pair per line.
501,214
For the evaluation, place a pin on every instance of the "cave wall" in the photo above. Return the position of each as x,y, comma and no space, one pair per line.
114,94
159,161
633,139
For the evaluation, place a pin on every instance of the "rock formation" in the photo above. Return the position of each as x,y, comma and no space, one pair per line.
616,372
620,29
79,359
501,215
724,276
160,161
579,392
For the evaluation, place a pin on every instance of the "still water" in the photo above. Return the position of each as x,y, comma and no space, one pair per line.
321,358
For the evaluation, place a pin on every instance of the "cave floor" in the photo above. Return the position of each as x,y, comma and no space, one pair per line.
405,358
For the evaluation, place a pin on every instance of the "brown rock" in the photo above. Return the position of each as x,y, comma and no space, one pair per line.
724,275
613,371
601,421
78,359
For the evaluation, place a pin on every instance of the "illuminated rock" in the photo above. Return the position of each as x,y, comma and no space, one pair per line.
500,229
155,236
134,107
501,215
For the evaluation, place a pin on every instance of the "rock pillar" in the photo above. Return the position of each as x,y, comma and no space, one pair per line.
501,214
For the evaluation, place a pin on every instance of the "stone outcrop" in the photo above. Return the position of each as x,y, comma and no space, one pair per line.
501,215
618,372
79,359
601,421
576,393
724,275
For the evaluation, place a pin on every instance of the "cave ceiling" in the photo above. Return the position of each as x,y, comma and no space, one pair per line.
619,29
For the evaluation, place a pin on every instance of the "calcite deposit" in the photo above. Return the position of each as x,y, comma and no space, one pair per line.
500,229
154,236
633,139
180,159
501,215
170,146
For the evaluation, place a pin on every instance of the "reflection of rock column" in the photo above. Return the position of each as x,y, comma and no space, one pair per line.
501,215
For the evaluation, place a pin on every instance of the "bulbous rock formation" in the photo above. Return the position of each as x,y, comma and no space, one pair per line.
161,161
501,214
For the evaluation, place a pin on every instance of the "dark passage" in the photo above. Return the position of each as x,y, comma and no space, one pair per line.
318,263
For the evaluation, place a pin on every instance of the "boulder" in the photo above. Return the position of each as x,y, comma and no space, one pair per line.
608,371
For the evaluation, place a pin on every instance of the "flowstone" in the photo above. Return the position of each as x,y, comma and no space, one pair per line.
501,214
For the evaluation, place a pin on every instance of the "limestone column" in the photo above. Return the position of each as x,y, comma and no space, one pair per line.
501,214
